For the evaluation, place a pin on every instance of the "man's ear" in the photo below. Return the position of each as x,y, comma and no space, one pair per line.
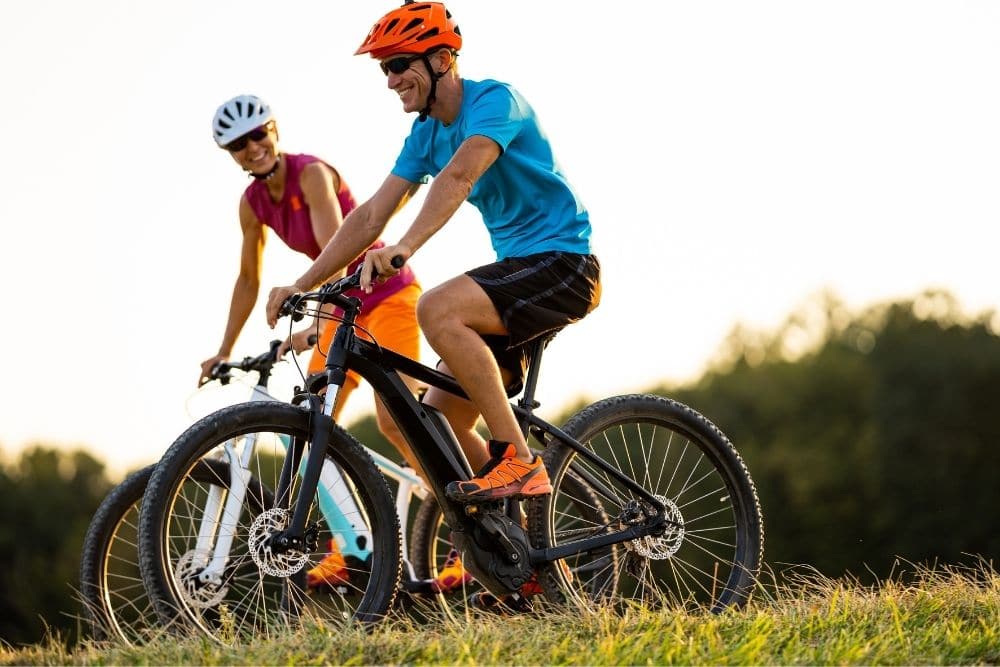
446,63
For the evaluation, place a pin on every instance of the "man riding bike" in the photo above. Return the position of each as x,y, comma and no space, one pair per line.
482,143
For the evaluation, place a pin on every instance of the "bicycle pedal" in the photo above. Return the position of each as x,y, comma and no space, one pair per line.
472,507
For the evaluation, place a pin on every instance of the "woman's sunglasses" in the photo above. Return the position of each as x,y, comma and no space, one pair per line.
399,64
257,134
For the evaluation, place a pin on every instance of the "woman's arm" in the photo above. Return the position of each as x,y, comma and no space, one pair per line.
360,229
246,288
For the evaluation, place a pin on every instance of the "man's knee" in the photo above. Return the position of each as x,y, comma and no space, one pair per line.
432,307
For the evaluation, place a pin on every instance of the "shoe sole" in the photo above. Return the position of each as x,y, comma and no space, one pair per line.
491,496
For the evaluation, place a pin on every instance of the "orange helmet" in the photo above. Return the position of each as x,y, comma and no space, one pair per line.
416,27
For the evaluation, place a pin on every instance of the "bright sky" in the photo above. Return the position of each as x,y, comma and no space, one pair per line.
736,158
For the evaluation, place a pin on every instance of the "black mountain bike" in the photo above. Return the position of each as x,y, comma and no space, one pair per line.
651,503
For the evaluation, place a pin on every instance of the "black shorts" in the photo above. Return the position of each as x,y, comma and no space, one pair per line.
536,295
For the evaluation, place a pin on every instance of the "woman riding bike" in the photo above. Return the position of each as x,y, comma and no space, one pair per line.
304,200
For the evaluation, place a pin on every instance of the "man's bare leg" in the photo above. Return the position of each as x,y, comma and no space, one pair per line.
453,316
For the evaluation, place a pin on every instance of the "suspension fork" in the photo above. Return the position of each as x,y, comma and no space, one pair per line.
218,522
316,466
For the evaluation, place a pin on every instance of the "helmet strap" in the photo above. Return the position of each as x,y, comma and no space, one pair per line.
270,172
431,96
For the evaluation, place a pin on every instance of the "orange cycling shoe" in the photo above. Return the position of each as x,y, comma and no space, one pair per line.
503,476
451,576
331,571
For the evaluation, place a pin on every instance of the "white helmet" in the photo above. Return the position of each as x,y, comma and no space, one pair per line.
238,116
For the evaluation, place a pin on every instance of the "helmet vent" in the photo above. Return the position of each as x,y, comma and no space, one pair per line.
412,24
238,116
392,24
430,33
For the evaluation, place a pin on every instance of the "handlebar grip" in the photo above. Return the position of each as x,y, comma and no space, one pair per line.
220,372
397,262
289,307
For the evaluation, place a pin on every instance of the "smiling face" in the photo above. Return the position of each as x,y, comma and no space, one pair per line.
408,76
412,84
259,155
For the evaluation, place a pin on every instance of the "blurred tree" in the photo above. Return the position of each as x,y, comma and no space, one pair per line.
870,436
48,499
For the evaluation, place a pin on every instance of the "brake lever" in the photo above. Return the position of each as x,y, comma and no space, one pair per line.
291,307
220,372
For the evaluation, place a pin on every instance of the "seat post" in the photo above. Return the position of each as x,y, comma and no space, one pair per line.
527,401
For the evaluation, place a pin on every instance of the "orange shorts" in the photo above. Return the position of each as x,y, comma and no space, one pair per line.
393,323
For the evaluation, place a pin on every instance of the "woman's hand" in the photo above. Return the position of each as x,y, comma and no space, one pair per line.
207,366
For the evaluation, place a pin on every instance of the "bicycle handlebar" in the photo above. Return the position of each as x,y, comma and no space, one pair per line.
261,363
328,292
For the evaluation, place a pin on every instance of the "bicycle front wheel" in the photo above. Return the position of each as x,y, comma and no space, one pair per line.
207,554
710,553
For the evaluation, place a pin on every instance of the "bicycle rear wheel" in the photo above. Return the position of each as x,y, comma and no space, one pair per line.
115,603
253,588
114,598
710,554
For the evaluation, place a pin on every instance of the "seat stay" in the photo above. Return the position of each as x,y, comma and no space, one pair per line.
599,486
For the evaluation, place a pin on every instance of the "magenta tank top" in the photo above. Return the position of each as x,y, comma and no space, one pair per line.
289,218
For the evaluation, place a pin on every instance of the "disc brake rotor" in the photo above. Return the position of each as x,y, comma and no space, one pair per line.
661,547
197,593
283,564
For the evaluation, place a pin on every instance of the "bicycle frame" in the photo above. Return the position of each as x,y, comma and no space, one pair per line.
438,452
436,448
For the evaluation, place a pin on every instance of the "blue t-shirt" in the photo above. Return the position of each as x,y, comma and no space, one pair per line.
526,202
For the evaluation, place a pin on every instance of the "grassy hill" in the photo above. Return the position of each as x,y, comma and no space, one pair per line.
945,616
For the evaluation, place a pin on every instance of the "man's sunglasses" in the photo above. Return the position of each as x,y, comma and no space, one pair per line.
257,134
399,64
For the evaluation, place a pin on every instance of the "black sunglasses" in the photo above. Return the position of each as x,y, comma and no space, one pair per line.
399,64
257,134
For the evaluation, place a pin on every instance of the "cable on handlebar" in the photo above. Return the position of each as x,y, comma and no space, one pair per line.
294,305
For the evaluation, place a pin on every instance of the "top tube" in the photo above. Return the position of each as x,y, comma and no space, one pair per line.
332,293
